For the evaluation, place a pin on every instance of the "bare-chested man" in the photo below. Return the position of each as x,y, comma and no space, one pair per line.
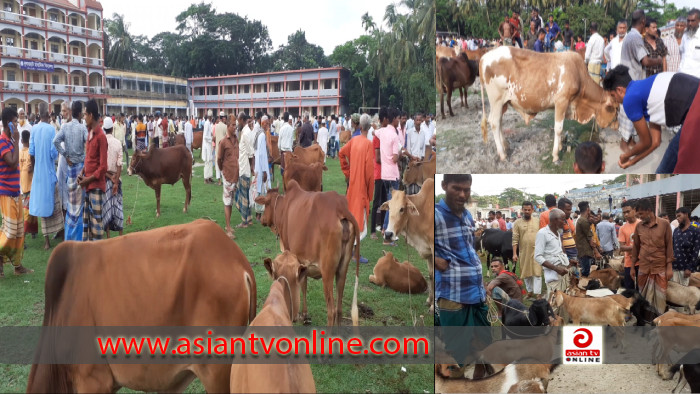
506,30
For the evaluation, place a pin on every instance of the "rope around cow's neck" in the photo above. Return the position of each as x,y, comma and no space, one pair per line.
291,300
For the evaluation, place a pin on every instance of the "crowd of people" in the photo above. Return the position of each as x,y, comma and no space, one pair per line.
63,171
559,244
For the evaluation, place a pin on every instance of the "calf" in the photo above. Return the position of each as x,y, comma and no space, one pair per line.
275,157
310,155
279,310
308,176
686,296
414,217
344,136
401,277
418,171
196,139
455,73
514,378
164,166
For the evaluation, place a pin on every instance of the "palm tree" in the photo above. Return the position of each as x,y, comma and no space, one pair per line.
121,51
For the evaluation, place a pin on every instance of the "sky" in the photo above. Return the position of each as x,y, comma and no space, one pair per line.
493,184
685,3
326,23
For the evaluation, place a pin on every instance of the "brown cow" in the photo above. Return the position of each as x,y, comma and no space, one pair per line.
418,171
413,216
455,73
196,139
401,277
164,166
321,231
533,82
280,309
309,176
275,157
442,51
312,154
150,278
608,277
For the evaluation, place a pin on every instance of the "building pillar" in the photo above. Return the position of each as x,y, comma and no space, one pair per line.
656,209
679,200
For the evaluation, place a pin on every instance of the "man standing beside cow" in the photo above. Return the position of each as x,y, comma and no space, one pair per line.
586,246
92,178
113,211
220,131
74,135
524,233
686,247
388,156
357,163
227,160
246,154
261,167
207,148
286,138
594,53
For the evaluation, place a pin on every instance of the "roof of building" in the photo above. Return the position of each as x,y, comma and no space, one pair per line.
93,4
265,73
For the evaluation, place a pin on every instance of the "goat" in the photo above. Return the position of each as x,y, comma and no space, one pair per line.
514,378
689,371
686,296
668,339
608,277
641,309
694,279
515,314
594,311
540,348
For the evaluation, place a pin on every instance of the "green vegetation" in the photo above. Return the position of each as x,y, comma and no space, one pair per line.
392,60
23,297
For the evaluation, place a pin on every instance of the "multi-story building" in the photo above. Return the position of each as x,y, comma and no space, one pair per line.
666,192
317,91
51,51
134,93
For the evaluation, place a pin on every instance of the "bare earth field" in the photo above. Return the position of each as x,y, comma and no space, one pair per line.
461,148
610,378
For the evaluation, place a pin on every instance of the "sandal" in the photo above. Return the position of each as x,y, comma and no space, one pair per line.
242,225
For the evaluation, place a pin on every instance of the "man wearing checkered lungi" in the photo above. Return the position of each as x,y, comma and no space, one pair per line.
246,154
93,179
112,210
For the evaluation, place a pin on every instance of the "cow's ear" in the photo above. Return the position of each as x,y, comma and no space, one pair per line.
268,267
412,209
384,207
385,252
302,273
262,200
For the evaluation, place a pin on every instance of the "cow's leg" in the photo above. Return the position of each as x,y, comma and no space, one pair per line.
495,121
340,277
327,279
442,103
93,379
215,377
466,90
186,178
449,97
559,114
157,189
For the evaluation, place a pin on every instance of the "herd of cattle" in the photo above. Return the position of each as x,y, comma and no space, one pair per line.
598,299
194,275
530,82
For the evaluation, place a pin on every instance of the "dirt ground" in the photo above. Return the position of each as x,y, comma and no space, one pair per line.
610,378
461,148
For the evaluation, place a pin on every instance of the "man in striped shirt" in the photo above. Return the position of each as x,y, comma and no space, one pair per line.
673,42
662,99
459,287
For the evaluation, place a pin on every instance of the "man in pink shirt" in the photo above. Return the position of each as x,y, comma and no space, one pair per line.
389,149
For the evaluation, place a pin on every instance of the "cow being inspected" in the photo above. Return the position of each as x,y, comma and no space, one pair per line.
514,76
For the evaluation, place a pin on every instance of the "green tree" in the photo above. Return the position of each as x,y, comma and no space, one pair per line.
511,196
119,48
353,55
298,54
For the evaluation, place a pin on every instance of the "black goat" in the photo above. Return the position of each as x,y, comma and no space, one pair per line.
516,314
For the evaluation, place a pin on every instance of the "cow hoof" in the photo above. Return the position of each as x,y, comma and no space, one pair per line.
157,215
307,320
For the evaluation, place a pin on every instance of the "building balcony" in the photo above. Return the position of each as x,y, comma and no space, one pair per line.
38,87
52,25
49,56
130,93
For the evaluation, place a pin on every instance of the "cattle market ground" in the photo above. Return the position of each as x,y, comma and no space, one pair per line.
461,148
23,297
606,378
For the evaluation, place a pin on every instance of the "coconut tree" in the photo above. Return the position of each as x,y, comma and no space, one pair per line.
121,50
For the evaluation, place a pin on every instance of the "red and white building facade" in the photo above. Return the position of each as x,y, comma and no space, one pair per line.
316,91
51,51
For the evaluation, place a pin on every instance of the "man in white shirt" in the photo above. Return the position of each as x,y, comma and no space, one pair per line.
427,133
322,137
613,52
333,134
246,154
208,149
189,135
690,46
286,138
594,53
416,139
22,125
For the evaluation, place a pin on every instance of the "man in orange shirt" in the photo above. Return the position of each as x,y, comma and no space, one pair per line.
357,162
551,202
625,238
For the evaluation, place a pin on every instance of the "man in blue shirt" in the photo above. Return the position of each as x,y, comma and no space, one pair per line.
554,29
686,246
459,289
539,44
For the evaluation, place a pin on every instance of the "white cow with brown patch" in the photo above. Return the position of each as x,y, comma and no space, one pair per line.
533,82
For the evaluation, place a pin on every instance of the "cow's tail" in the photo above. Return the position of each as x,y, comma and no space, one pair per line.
52,378
354,312
252,297
484,133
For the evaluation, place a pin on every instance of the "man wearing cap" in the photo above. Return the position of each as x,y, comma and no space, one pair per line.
219,135
112,209
207,154
286,136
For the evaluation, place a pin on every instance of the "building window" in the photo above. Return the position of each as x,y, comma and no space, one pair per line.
13,106
54,80
54,48
10,75
8,7
10,41
34,45
74,21
53,17
200,91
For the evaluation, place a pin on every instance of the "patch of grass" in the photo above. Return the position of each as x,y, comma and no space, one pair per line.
23,297
575,134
